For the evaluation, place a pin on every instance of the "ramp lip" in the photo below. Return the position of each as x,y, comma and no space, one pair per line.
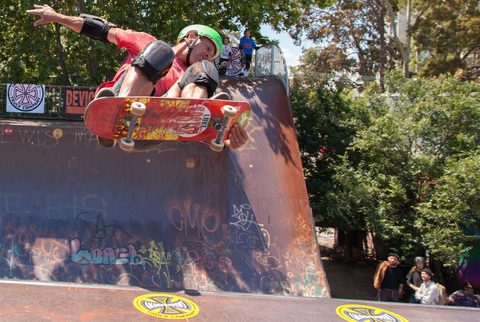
43,123
70,285
138,288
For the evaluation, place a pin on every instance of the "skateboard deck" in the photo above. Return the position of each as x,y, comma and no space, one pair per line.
130,119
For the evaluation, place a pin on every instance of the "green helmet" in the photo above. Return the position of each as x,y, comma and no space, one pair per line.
203,31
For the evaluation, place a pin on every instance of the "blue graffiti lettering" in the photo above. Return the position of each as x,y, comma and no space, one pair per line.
105,256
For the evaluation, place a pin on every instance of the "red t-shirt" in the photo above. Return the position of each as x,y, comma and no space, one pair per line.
134,42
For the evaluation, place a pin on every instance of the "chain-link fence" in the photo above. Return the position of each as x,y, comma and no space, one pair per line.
33,101
269,61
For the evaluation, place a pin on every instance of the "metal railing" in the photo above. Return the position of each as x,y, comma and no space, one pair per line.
58,102
269,61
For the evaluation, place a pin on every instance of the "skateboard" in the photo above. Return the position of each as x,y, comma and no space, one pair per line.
129,119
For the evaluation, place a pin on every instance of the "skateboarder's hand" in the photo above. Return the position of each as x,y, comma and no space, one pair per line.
238,136
46,14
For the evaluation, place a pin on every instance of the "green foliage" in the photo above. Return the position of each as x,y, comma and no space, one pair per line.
322,122
51,54
450,32
450,217
327,65
402,162
356,38
352,39
396,163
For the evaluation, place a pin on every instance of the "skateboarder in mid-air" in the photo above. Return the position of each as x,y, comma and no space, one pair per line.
152,67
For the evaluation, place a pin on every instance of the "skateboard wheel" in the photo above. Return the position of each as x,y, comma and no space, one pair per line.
229,110
217,147
126,144
138,108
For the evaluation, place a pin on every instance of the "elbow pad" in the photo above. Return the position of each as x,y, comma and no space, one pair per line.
95,27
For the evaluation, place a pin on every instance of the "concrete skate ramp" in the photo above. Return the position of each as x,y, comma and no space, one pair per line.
179,216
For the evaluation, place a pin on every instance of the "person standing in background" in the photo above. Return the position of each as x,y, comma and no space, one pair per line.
414,278
247,45
389,279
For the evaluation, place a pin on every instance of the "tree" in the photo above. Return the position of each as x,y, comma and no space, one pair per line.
352,38
454,203
322,120
449,33
404,47
361,38
400,164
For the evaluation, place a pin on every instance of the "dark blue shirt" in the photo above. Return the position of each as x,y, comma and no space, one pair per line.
247,44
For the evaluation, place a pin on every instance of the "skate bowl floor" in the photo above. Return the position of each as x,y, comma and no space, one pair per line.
26,301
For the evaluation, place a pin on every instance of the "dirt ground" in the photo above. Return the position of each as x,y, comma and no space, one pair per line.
347,280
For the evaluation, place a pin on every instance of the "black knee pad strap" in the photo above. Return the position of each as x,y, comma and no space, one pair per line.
95,27
155,60
202,73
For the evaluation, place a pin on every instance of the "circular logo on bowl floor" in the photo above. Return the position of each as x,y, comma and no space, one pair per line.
364,313
167,306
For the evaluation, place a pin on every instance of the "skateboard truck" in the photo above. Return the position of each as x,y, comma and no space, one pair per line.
229,113
127,143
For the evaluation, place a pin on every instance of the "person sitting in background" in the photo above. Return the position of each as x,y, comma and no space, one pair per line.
464,297
428,292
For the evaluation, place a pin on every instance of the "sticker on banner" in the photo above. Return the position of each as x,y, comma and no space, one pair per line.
167,306
25,98
359,312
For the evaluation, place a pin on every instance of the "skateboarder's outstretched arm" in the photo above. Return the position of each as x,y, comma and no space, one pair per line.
82,24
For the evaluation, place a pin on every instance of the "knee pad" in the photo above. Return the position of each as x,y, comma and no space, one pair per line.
202,73
95,27
155,60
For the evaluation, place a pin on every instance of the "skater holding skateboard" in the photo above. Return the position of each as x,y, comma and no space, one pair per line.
152,67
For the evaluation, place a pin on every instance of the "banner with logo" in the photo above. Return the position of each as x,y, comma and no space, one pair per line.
76,99
26,98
